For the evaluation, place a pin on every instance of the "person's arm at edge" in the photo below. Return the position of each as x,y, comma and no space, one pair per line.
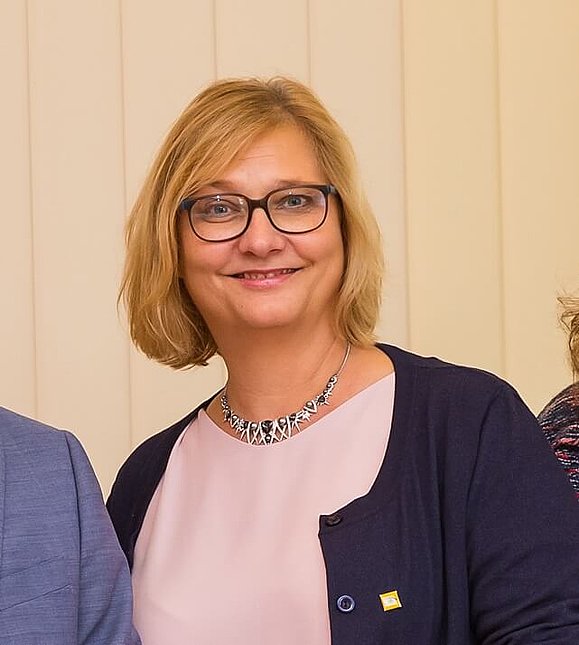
105,594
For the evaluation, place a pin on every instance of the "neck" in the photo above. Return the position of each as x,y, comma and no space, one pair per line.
275,376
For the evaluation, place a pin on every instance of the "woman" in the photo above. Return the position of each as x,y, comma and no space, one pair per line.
406,501
560,417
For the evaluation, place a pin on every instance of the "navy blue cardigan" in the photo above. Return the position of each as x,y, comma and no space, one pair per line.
471,520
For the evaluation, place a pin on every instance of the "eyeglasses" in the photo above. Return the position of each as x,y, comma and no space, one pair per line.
223,217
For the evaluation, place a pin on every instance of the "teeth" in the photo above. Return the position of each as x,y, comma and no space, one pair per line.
265,275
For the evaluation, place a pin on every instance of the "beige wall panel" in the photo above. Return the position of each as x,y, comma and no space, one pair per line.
261,38
162,396
539,89
17,373
356,68
77,197
168,55
167,58
454,253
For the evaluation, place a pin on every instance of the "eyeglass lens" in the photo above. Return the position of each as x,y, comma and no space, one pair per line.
291,210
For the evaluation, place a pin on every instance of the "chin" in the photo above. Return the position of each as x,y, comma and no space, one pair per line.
277,316
268,322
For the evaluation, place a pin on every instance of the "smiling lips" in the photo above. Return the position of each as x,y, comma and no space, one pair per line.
263,275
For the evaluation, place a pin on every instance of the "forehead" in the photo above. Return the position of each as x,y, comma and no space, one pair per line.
284,153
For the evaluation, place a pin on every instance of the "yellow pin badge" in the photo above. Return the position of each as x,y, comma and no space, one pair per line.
390,600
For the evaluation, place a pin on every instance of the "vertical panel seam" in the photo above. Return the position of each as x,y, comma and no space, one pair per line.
34,314
500,198
223,369
403,125
309,40
214,15
130,416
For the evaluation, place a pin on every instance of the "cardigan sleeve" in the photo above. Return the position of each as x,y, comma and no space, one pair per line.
522,534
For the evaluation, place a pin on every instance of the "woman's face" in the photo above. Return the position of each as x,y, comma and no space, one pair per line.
266,278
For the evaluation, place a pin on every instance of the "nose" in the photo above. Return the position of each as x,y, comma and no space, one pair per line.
261,238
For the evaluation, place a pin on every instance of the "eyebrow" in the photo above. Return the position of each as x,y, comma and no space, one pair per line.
221,185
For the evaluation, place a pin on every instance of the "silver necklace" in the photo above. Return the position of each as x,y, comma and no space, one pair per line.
268,431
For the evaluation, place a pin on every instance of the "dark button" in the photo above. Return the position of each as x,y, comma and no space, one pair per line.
345,604
332,520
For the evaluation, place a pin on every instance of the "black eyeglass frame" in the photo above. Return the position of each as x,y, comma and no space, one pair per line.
326,190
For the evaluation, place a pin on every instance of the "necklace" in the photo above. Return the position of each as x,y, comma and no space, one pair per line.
268,431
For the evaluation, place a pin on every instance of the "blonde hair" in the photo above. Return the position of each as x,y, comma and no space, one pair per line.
220,122
570,320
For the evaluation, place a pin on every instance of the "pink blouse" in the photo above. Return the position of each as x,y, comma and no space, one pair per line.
229,550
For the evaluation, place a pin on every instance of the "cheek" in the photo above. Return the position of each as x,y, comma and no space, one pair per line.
338,251
201,266
199,292
338,265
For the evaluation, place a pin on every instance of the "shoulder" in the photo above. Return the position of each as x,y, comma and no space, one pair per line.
435,375
561,414
21,429
473,425
38,444
457,408
37,452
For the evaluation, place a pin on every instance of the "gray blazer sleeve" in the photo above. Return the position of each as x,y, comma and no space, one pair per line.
105,599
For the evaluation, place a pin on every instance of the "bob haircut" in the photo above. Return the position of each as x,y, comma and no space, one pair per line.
219,123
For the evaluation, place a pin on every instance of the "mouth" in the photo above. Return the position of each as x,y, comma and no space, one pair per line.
263,275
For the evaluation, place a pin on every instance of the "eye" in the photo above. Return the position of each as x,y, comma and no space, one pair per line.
218,208
293,201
